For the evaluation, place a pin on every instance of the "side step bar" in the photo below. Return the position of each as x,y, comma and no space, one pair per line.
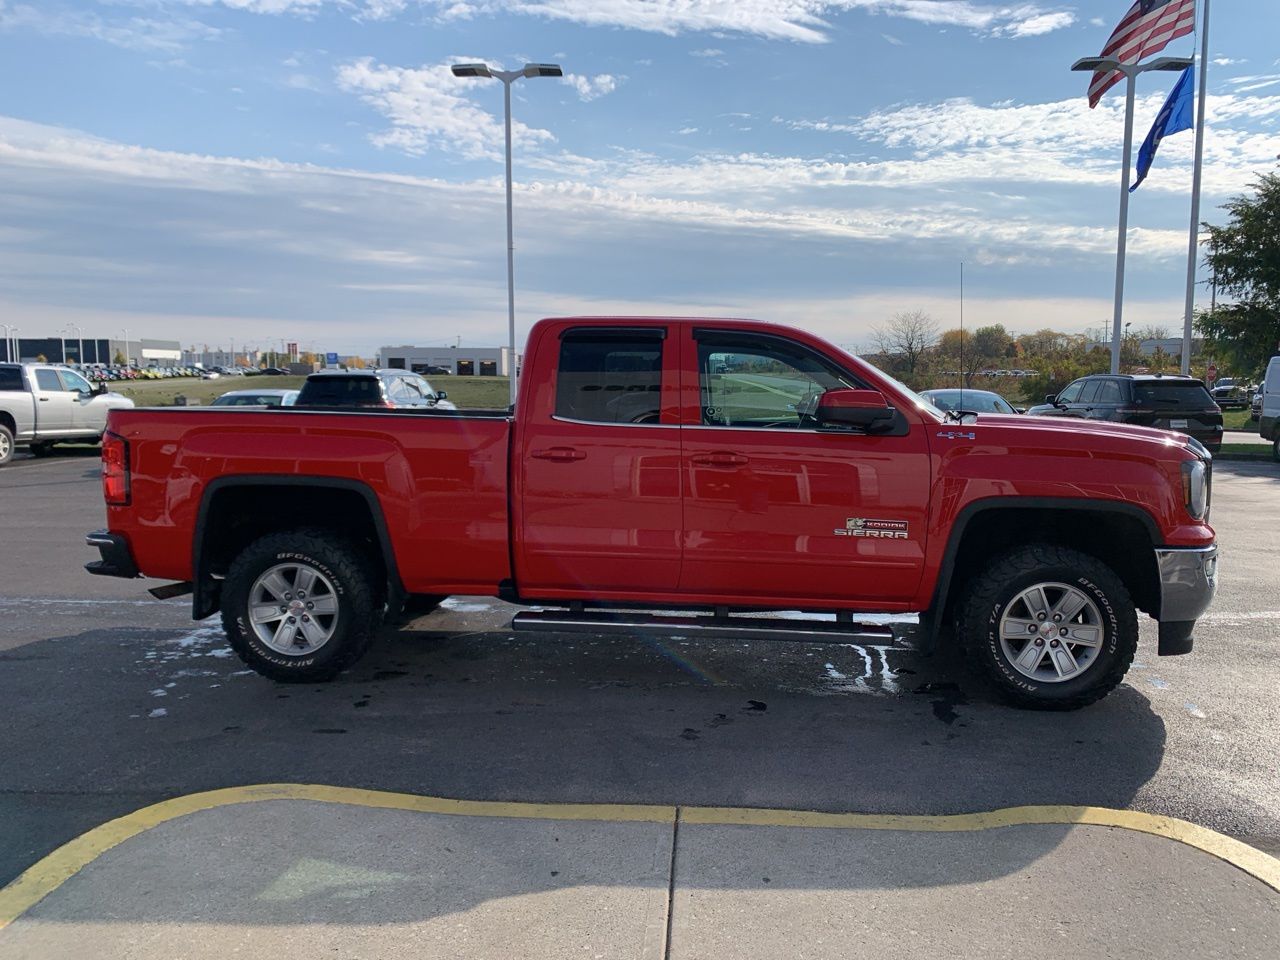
727,628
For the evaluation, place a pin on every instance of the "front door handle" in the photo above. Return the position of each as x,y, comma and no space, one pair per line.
720,460
560,454
44,399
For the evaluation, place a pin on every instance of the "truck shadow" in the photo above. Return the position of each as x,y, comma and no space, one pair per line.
485,714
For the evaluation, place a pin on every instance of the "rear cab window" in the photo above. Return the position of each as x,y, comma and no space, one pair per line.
610,375
11,378
340,391
1184,394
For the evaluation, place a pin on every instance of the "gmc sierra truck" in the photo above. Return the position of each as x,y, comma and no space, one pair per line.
711,467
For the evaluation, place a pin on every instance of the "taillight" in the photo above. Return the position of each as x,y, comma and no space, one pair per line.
115,470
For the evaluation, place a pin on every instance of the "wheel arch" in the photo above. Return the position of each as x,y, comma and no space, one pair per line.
234,511
986,528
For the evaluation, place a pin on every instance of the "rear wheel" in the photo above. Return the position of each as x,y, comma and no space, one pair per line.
299,607
6,444
1052,627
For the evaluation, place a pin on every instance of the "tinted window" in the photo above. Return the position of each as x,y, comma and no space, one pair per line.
11,378
1090,391
247,401
335,391
762,385
606,378
1189,394
47,380
1072,393
1110,392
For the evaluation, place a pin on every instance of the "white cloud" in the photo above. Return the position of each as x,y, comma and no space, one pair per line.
1250,84
707,52
147,34
1226,61
685,131
591,88
890,38
807,21
427,109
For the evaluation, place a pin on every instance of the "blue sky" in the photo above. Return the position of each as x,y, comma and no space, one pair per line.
309,169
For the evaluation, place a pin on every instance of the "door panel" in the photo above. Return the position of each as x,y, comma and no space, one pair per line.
600,487
55,406
777,508
86,416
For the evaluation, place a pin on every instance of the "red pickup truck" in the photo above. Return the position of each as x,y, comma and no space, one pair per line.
709,466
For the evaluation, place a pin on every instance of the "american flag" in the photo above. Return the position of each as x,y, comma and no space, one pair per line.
1147,28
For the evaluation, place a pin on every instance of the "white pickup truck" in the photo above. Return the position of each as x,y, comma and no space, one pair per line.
41,405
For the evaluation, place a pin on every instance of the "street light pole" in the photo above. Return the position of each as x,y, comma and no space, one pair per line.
1130,71
8,342
509,77
125,331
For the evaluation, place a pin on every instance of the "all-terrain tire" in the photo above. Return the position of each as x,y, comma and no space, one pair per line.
6,444
995,590
359,604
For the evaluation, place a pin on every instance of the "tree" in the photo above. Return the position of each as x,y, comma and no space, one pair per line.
959,353
119,358
993,342
356,363
907,337
1244,256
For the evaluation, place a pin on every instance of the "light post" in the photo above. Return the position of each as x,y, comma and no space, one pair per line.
509,77
1130,71
80,336
8,342
125,331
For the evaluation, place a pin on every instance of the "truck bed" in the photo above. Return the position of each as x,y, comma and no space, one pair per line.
436,481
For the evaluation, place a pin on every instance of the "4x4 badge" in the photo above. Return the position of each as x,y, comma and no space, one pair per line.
956,435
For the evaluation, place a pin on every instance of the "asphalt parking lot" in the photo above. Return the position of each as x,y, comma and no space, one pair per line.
115,701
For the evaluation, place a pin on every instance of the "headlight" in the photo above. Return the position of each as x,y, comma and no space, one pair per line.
1195,489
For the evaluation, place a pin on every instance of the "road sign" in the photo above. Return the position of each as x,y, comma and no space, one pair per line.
330,358
1212,373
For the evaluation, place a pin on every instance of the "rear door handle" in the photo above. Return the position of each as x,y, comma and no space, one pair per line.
720,460
560,454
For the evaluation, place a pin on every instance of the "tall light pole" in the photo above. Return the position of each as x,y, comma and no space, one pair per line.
509,77
8,343
125,331
1130,71
80,335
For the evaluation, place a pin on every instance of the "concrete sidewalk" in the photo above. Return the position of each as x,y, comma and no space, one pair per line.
303,878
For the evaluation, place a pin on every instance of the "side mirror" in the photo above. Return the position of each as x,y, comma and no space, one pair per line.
1051,398
100,390
1019,409
441,395
867,409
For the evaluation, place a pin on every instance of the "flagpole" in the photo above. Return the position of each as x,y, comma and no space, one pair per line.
1193,247
1131,83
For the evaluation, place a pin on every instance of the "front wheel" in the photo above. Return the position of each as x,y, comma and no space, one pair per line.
1053,628
299,607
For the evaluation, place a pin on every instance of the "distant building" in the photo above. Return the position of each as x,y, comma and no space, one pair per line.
1171,346
459,361
140,352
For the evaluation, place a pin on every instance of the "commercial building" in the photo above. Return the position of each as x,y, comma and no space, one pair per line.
60,349
460,361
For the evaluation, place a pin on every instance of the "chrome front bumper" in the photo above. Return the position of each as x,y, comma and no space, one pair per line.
1188,581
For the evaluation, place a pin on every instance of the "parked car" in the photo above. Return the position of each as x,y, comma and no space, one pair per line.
970,401
1255,405
1229,393
257,398
631,475
42,405
372,388
275,372
1171,402
1269,414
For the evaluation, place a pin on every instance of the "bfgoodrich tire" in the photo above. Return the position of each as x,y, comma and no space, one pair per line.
300,607
1053,628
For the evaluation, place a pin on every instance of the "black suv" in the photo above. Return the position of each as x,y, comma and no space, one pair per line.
1145,400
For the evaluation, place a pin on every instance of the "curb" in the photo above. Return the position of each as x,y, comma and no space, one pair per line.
52,871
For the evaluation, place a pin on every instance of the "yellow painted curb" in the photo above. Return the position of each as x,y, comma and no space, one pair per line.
52,871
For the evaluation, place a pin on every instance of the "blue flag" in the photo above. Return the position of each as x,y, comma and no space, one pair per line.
1173,117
